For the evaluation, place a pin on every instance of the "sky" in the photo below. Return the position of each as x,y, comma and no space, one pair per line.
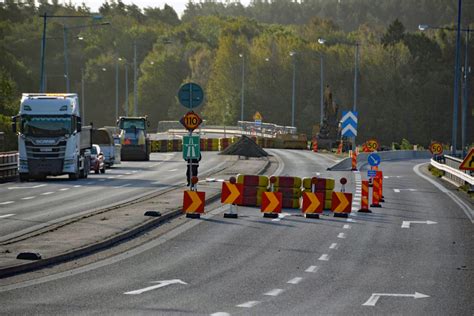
178,5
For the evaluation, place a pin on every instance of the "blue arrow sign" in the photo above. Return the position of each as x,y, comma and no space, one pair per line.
349,123
374,159
190,95
371,173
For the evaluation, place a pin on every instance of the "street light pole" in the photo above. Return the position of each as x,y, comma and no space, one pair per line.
467,70
116,87
135,74
243,88
66,65
82,97
293,95
126,89
321,91
356,62
456,82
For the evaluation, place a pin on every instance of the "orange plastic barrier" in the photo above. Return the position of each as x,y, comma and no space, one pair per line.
364,208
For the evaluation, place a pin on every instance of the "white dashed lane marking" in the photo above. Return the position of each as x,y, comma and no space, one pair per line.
346,226
295,280
47,193
6,215
324,257
248,304
274,292
312,269
341,235
64,189
28,198
7,202
333,246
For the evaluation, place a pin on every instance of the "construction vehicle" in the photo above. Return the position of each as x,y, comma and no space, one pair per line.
51,138
134,138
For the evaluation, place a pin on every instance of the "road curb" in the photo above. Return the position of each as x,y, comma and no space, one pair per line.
89,249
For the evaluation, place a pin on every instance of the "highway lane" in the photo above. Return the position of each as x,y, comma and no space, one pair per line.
286,266
28,206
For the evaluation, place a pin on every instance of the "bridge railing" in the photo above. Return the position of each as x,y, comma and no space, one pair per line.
8,165
450,166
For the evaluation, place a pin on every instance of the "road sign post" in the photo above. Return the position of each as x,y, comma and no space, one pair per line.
191,95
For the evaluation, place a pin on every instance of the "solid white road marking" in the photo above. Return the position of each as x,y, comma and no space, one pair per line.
28,198
295,280
324,257
249,304
128,173
31,187
467,209
160,284
171,170
274,292
399,190
111,177
346,226
341,235
64,189
220,314
351,219
6,215
406,224
7,202
375,297
396,190
78,186
333,246
312,269
47,193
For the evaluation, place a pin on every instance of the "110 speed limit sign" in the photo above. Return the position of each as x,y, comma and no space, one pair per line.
191,121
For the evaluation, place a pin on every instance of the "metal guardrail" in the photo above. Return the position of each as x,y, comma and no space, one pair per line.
8,165
452,172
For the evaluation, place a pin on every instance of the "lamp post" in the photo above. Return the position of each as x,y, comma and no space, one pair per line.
45,17
356,72
465,85
243,88
293,94
135,75
83,96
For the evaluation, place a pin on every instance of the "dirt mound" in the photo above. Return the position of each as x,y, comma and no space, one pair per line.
244,147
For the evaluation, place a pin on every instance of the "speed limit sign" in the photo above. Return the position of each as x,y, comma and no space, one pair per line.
372,145
436,148
191,121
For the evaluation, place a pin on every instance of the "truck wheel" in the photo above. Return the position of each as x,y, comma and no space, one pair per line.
102,170
23,177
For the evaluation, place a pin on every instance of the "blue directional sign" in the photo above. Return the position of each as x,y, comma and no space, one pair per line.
374,159
371,173
349,123
190,95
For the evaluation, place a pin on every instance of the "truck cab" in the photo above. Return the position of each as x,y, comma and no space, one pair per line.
51,139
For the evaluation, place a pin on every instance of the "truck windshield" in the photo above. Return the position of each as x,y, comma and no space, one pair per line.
133,124
46,125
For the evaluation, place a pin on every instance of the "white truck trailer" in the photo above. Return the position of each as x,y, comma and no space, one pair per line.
51,139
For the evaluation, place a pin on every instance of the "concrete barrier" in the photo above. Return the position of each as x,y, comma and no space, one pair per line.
346,164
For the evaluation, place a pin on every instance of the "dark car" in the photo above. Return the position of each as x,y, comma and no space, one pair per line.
97,160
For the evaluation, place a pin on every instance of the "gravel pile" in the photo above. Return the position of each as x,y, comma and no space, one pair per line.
244,147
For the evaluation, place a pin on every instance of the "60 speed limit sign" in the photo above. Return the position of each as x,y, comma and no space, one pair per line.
372,145
436,148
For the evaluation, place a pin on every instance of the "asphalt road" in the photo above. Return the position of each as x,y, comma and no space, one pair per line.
367,264
28,206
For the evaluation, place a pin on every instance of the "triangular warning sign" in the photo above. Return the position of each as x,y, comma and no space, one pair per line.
468,162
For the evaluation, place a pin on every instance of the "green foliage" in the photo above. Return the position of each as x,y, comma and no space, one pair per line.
405,145
405,76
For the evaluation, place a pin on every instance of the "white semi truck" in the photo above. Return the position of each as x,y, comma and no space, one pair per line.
51,139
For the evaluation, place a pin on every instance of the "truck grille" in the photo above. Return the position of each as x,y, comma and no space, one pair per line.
45,151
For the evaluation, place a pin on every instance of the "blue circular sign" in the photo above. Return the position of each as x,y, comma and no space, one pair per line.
374,159
190,95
